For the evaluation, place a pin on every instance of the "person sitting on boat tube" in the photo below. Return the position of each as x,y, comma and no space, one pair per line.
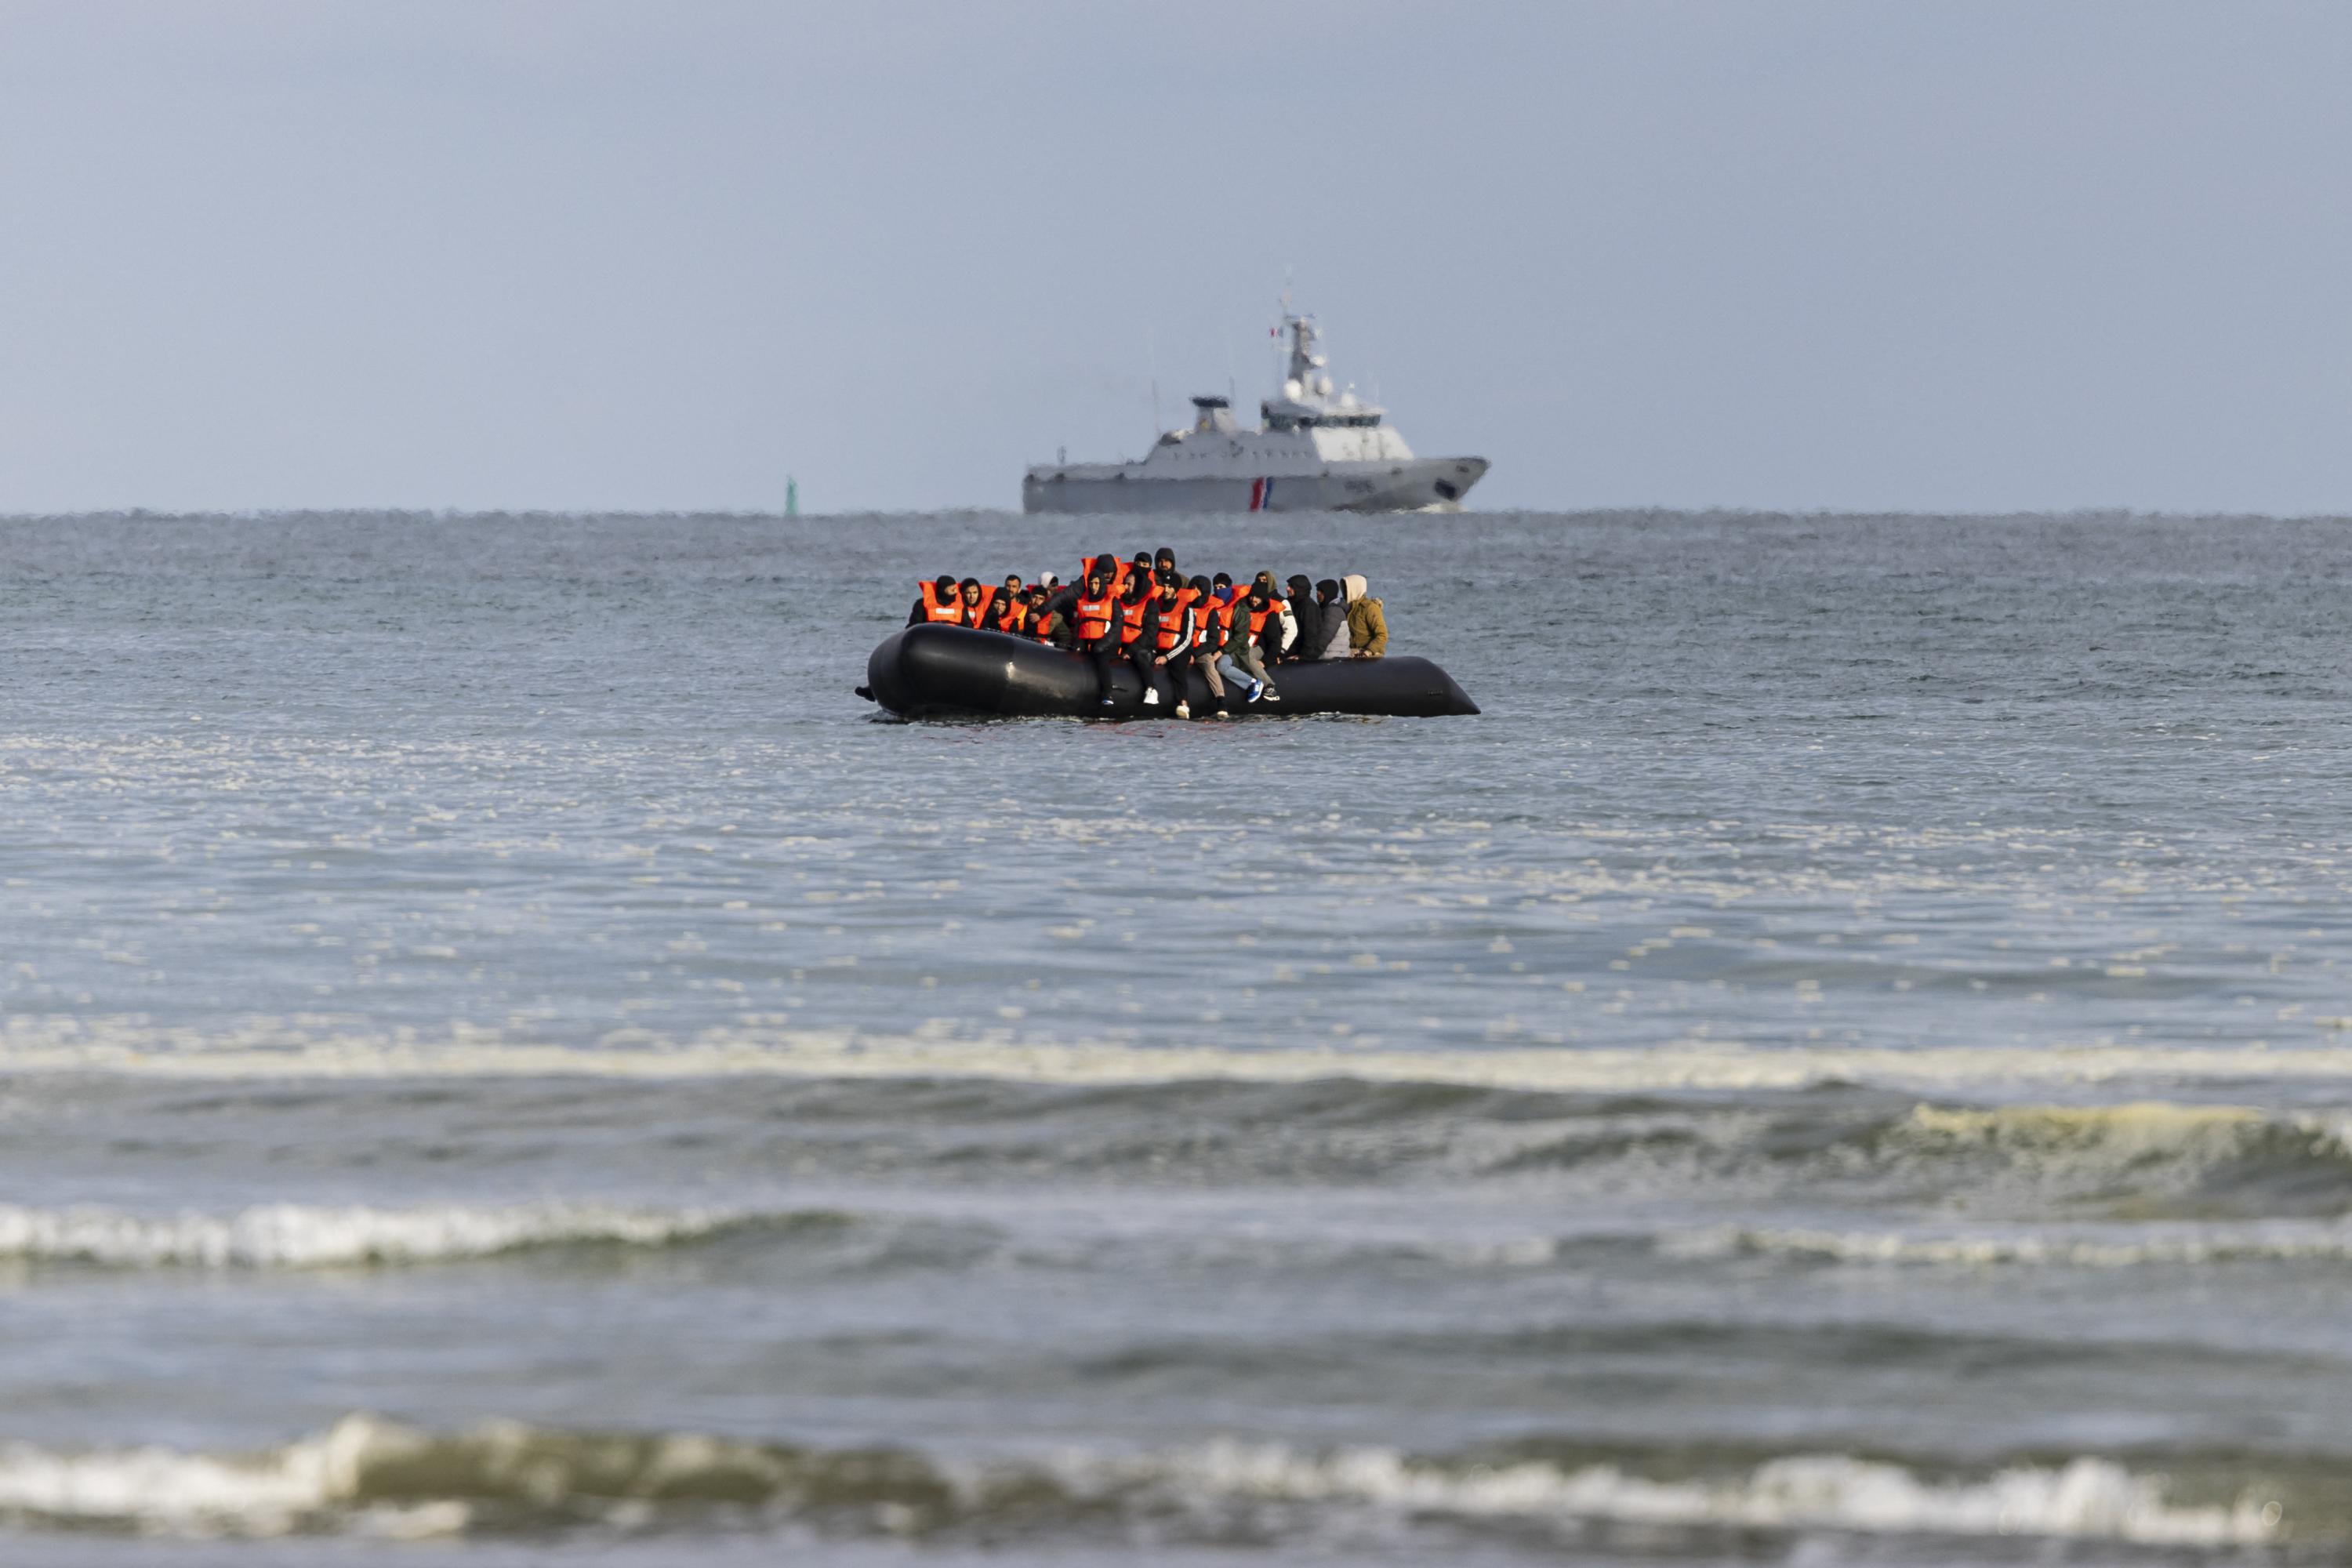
1168,628
1212,619
1276,643
1334,619
1306,642
1093,624
1367,626
940,600
1225,598
1057,613
1044,622
1257,625
1134,608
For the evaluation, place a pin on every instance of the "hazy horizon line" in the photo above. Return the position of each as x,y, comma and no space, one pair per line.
2110,514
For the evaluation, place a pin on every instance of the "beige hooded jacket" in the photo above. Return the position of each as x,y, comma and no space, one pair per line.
1367,626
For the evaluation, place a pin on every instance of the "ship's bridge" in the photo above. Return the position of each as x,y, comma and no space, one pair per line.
1287,415
1214,415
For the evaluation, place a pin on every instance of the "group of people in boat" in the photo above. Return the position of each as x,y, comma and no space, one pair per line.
1146,612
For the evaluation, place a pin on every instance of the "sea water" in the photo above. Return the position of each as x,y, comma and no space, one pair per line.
504,1055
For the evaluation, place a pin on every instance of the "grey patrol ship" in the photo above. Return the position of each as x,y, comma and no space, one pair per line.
1312,451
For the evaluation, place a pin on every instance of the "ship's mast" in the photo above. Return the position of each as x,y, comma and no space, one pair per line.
1304,361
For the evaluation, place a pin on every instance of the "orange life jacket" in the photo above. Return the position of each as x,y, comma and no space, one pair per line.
1257,616
1216,614
1093,616
1016,618
938,609
1131,618
1170,630
1120,571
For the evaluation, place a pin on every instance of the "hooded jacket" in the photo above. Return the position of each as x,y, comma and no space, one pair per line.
1312,632
1335,627
1368,625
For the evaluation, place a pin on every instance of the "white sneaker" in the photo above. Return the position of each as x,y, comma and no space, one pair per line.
1151,699
1274,696
1183,710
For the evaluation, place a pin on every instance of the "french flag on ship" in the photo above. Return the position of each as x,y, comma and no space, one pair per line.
1260,495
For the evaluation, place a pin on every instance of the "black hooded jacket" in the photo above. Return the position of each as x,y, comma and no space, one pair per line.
1314,628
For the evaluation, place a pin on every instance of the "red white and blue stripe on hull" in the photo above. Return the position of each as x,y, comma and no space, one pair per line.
1260,495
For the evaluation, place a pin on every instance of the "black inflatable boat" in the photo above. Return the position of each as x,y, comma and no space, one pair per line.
938,671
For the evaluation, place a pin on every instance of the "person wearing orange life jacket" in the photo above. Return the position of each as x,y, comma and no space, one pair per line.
973,598
1213,624
1233,624
1120,571
1046,620
1094,621
941,600
1008,613
1280,638
1055,612
1134,606
1259,628
1169,630
1271,646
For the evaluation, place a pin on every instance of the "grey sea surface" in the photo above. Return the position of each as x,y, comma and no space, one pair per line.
504,1057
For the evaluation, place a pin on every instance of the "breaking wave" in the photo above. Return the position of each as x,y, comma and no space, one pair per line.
2137,1162
2142,1161
2333,1245
336,1046
371,1476
296,1236
2196,1183
2079,1498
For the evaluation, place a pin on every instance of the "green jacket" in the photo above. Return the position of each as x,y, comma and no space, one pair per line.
1368,628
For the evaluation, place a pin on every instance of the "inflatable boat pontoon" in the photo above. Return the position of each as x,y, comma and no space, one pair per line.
939,671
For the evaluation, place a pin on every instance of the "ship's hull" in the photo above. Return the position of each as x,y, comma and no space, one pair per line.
1417,484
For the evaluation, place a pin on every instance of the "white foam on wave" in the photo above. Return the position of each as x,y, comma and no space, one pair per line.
301,1485
334,1481
280,1048
298,1235
2173,1247
2085,1498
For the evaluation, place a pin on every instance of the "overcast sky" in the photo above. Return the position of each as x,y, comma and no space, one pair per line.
577,254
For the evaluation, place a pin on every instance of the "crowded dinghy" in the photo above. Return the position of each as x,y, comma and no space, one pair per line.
1137,638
